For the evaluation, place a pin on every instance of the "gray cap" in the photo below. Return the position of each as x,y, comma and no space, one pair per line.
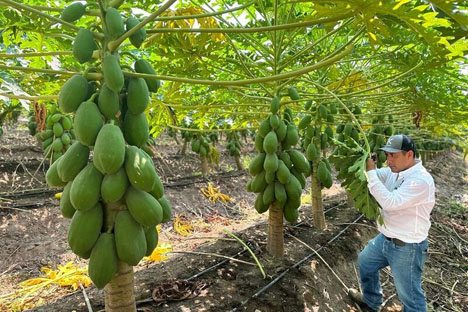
398,143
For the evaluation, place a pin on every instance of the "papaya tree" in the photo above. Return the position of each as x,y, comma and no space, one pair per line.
116,199
278,173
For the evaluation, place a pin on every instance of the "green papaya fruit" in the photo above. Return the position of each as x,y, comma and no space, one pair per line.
87,123
268,195
86,187
103,262
137,96
72,93
259,183
136,129
52,177
113,76
114,186
281,131
114,23
140,169
139,36
292,136
84,230
312,153
73,12
271,163
166,208
282,173
144,67
293,94
158,189
108,102
143,207
256,165
109,149
151,235
84,46
259,205
280,193
264,128
270,143
300,162
130,238
74,159
66,207
275,105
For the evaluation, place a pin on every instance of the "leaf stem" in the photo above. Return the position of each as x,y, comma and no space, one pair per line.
34,54
253,29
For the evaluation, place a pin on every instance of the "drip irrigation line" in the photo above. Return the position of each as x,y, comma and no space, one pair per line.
216,265
244,250
266,287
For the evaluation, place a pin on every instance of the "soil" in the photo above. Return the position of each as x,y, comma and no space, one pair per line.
33,234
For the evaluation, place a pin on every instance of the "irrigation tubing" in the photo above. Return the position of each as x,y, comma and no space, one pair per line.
243,250
266,287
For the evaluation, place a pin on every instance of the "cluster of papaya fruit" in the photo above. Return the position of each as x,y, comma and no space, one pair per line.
58,135
201,144
115,200
278,172
377,135
233,145
318,135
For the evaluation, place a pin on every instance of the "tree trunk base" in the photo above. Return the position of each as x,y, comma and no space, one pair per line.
204,166
275,243
238,163
119,294
317,205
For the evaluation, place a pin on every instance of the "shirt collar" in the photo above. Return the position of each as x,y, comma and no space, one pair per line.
416,167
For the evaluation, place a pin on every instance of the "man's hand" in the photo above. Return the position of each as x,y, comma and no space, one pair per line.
370,164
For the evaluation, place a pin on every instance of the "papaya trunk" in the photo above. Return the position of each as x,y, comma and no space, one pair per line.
349,200
119,296
275,243
317,205
184,147
238,163
204,165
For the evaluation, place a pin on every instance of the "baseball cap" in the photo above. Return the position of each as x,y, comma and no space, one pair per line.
398,143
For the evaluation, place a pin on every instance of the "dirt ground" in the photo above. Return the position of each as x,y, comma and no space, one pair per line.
313,276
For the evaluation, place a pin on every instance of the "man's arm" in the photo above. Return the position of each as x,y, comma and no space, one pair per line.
408,194
382,173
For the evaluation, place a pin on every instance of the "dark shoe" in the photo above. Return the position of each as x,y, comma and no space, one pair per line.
357,297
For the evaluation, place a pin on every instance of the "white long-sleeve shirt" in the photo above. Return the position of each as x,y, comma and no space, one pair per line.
406,199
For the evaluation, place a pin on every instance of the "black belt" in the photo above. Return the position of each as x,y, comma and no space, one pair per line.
396,241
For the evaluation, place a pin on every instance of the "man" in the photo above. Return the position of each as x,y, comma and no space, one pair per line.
405,193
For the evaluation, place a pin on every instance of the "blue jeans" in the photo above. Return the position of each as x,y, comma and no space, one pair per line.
406,263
